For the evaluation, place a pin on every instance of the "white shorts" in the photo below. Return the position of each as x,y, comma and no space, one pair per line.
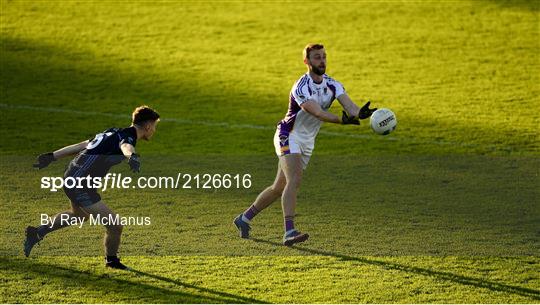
290,145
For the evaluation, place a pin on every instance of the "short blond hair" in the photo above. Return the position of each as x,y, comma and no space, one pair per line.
310,47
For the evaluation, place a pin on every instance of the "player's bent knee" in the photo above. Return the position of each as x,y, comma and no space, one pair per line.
294,183
79,213
278,188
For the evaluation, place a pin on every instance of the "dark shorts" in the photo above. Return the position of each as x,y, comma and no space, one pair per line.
82,197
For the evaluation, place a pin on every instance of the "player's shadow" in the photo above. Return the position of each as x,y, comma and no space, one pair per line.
230,297
115,284
446,276
533,6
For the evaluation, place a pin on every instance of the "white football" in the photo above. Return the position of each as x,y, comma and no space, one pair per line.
383,121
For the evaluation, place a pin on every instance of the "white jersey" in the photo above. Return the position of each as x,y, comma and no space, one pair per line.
298,124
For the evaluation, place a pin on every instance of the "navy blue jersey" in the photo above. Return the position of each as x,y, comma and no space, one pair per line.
102,152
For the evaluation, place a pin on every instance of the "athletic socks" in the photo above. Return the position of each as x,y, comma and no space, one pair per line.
43,230
289,223
111,258
114,262
248,215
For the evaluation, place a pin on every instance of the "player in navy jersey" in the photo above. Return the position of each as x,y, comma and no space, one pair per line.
94,158
310,98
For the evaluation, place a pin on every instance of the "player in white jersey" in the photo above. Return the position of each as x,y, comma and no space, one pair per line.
310,98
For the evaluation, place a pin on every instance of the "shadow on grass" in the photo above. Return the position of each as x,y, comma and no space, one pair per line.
129,291
446,276
231,297
75,81
529,5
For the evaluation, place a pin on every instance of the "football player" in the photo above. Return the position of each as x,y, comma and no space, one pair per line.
310,98
94,158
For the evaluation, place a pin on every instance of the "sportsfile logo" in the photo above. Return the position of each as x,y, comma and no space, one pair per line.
180,181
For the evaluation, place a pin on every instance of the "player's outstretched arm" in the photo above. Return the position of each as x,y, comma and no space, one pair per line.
133,158
315,109
348,105
70,150
353,110
45,159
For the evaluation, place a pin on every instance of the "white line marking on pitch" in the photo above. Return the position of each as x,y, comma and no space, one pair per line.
235,126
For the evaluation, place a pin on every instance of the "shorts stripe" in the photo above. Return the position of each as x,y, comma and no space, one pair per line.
85,165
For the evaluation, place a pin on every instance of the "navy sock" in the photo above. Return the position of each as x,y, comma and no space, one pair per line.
289,223
43,230
111,258
251,212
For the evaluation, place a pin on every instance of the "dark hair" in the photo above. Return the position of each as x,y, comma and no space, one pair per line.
310,47
143,114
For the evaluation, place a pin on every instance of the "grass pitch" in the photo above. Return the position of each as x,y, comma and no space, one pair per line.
444,210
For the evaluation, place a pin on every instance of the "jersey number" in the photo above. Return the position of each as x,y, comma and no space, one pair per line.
97,139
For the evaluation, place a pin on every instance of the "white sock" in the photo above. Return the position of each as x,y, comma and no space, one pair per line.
244,218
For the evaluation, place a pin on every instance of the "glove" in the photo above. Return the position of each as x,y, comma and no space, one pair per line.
44,160
345,119
134,163
365,112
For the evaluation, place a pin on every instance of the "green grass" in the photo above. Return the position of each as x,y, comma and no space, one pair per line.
455,206
458,72
444,210
293,279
